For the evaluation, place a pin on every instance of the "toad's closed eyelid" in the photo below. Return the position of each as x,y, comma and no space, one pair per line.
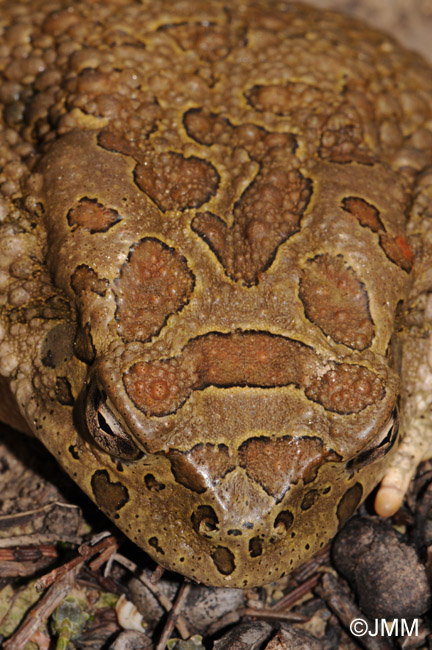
105,429
381,445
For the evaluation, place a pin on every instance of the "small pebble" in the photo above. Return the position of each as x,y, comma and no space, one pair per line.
384,571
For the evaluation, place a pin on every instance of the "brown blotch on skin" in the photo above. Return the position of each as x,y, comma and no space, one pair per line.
198,468
278,464
224,560
398,251
63,391
342,139
207,128
116,143
309,499
366,213
269,210
209,41
185,473
249,359
346,389
336,301
83,345
109,496
158,388
104,93
92,215
174,182
106,98
84,278
154,283
215,359
349,503
283,100
396,247
212,128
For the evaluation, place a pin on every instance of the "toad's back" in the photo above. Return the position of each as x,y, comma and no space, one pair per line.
200,205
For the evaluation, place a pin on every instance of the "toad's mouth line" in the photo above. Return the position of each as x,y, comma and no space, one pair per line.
249,359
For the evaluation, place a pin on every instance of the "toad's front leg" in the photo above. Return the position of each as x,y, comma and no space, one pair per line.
415,343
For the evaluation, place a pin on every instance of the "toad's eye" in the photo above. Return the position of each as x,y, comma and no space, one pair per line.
105,429
382,445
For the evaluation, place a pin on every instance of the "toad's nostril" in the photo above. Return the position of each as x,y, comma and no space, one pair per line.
283,522
205,521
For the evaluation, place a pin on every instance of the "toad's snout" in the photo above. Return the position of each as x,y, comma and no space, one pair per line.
240,530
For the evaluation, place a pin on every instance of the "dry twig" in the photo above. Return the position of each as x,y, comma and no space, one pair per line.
181,624
173,615
42,610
